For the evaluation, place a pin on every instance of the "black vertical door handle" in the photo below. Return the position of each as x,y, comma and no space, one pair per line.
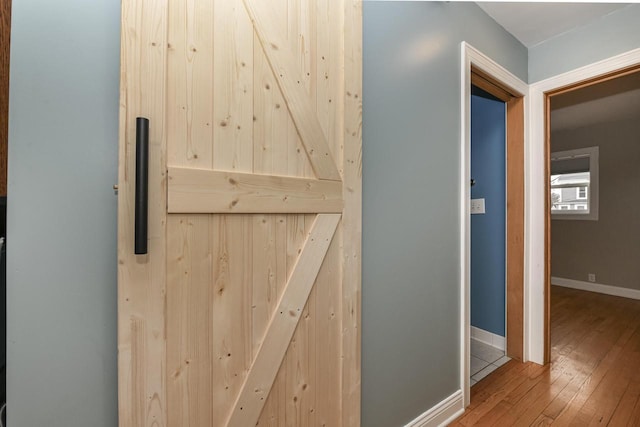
142,185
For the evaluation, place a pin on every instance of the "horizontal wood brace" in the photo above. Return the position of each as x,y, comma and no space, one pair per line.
209,191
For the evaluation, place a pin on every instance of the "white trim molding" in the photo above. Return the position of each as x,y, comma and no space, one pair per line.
472,56
441,414
489,338
596,287
535,196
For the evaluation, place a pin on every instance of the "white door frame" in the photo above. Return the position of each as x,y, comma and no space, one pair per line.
534,236
535,197
471,56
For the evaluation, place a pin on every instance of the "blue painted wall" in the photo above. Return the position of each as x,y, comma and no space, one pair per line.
488,233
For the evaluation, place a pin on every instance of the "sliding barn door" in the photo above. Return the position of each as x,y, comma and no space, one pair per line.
245,310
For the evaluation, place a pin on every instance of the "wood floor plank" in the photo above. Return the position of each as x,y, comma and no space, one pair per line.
560,402
509,376
484,404
593,377
624,410
634,420
600,369
530,407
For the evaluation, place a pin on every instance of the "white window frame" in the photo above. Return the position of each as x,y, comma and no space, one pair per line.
592,188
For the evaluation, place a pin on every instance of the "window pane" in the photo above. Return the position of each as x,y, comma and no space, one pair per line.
570,192
570,178
574,184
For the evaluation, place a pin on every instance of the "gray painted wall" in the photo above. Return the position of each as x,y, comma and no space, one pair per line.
608,247
610,35
61,241
411,190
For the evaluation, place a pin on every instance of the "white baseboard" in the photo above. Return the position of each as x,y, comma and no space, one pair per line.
487,337
441,414
596,287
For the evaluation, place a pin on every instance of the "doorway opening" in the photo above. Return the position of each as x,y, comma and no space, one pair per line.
482,72
488,233
538,170
591,175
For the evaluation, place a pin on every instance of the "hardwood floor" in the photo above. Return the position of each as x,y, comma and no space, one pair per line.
593,378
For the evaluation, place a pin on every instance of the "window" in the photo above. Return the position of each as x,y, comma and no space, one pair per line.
582,193
574,184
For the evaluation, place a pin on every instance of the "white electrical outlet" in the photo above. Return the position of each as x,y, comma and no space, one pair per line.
592,277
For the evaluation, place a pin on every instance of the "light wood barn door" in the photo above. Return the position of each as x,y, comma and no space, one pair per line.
246,309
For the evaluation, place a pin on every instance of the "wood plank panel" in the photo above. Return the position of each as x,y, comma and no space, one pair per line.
299,164
249,404
189,326
233,234
271,120
207,191
141,279
269,279
301,43
305,361
277,146
190,86
276,409
231,237
515,228
291,84
295,382
352,216
328,73
297,378
269,271
301,37
233,83
276,153
299,367
329,334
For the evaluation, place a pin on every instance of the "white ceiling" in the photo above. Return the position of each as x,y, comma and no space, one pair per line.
535,22
532,23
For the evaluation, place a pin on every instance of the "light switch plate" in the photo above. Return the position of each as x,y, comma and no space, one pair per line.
477,206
